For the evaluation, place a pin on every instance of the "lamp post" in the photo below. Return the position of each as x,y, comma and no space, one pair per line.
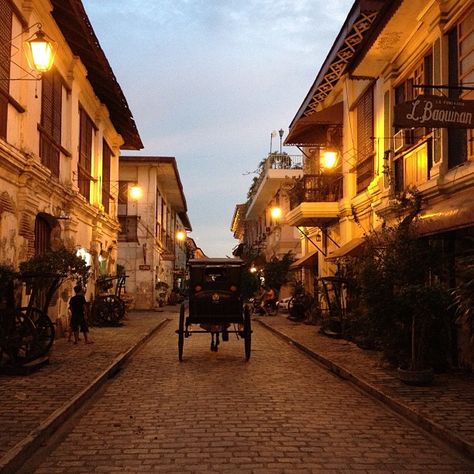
273,134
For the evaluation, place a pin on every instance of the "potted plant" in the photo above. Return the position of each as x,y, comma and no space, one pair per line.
463,304
427,306
162,292
403,306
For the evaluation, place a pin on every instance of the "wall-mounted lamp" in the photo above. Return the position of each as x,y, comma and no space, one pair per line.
135,192
41,51
328,159
180,235
276,212
253,269
63,216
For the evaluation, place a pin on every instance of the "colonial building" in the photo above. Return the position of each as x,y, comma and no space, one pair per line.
260,224
391,104
60,136
152,239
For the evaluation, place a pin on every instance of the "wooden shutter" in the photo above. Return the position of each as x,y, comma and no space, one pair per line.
85,153
6,18
50,130
365,141
106,159
457,137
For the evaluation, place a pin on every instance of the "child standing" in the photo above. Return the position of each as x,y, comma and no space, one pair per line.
77,306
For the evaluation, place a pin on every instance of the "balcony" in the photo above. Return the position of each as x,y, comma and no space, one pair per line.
314,200
276,170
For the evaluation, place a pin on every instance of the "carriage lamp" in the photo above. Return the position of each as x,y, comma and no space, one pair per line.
276,212
180,235
40,51
328,159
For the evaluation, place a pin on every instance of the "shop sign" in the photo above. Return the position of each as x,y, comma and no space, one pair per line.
144,267
435,112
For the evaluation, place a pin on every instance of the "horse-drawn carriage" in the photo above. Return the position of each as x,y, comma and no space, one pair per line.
215,303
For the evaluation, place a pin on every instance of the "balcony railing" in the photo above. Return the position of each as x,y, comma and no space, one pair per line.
283,162
317,188
276,161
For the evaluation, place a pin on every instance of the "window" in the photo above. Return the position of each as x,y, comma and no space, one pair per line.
123,198
6,18
50,128
128,229
86,133
106,159
416,165
422,74
412,168
42,235
365,141
461,71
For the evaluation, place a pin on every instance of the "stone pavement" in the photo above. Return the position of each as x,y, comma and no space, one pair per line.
446,408
33,406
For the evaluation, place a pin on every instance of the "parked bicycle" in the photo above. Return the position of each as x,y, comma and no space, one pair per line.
26,333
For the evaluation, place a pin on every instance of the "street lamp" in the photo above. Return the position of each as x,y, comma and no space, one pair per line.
273,134
281,132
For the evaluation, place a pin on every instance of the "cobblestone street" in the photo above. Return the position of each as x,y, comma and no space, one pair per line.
281,412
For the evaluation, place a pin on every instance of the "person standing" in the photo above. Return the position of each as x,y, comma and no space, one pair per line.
77,305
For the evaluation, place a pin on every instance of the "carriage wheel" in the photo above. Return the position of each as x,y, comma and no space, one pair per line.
17,341
108,310
247,332
44,328
181,333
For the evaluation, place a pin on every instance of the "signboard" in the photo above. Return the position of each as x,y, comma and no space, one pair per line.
434,112
144,267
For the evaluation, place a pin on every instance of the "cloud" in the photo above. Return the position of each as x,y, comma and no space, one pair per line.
207,82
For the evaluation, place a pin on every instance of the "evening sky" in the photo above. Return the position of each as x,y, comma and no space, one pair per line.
207,81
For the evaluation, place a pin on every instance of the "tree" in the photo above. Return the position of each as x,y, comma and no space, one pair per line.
276,271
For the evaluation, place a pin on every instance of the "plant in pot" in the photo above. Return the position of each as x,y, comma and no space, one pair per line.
463,304
426,307
404,307
162,292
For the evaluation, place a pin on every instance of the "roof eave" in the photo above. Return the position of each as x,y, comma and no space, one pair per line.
358,10
77,30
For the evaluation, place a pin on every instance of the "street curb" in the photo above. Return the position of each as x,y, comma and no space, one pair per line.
428,425
15,457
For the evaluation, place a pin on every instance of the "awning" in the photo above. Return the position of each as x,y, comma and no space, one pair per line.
312,130
306,261
448,215
353,248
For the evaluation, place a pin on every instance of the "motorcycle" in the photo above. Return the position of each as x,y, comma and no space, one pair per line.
298,307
